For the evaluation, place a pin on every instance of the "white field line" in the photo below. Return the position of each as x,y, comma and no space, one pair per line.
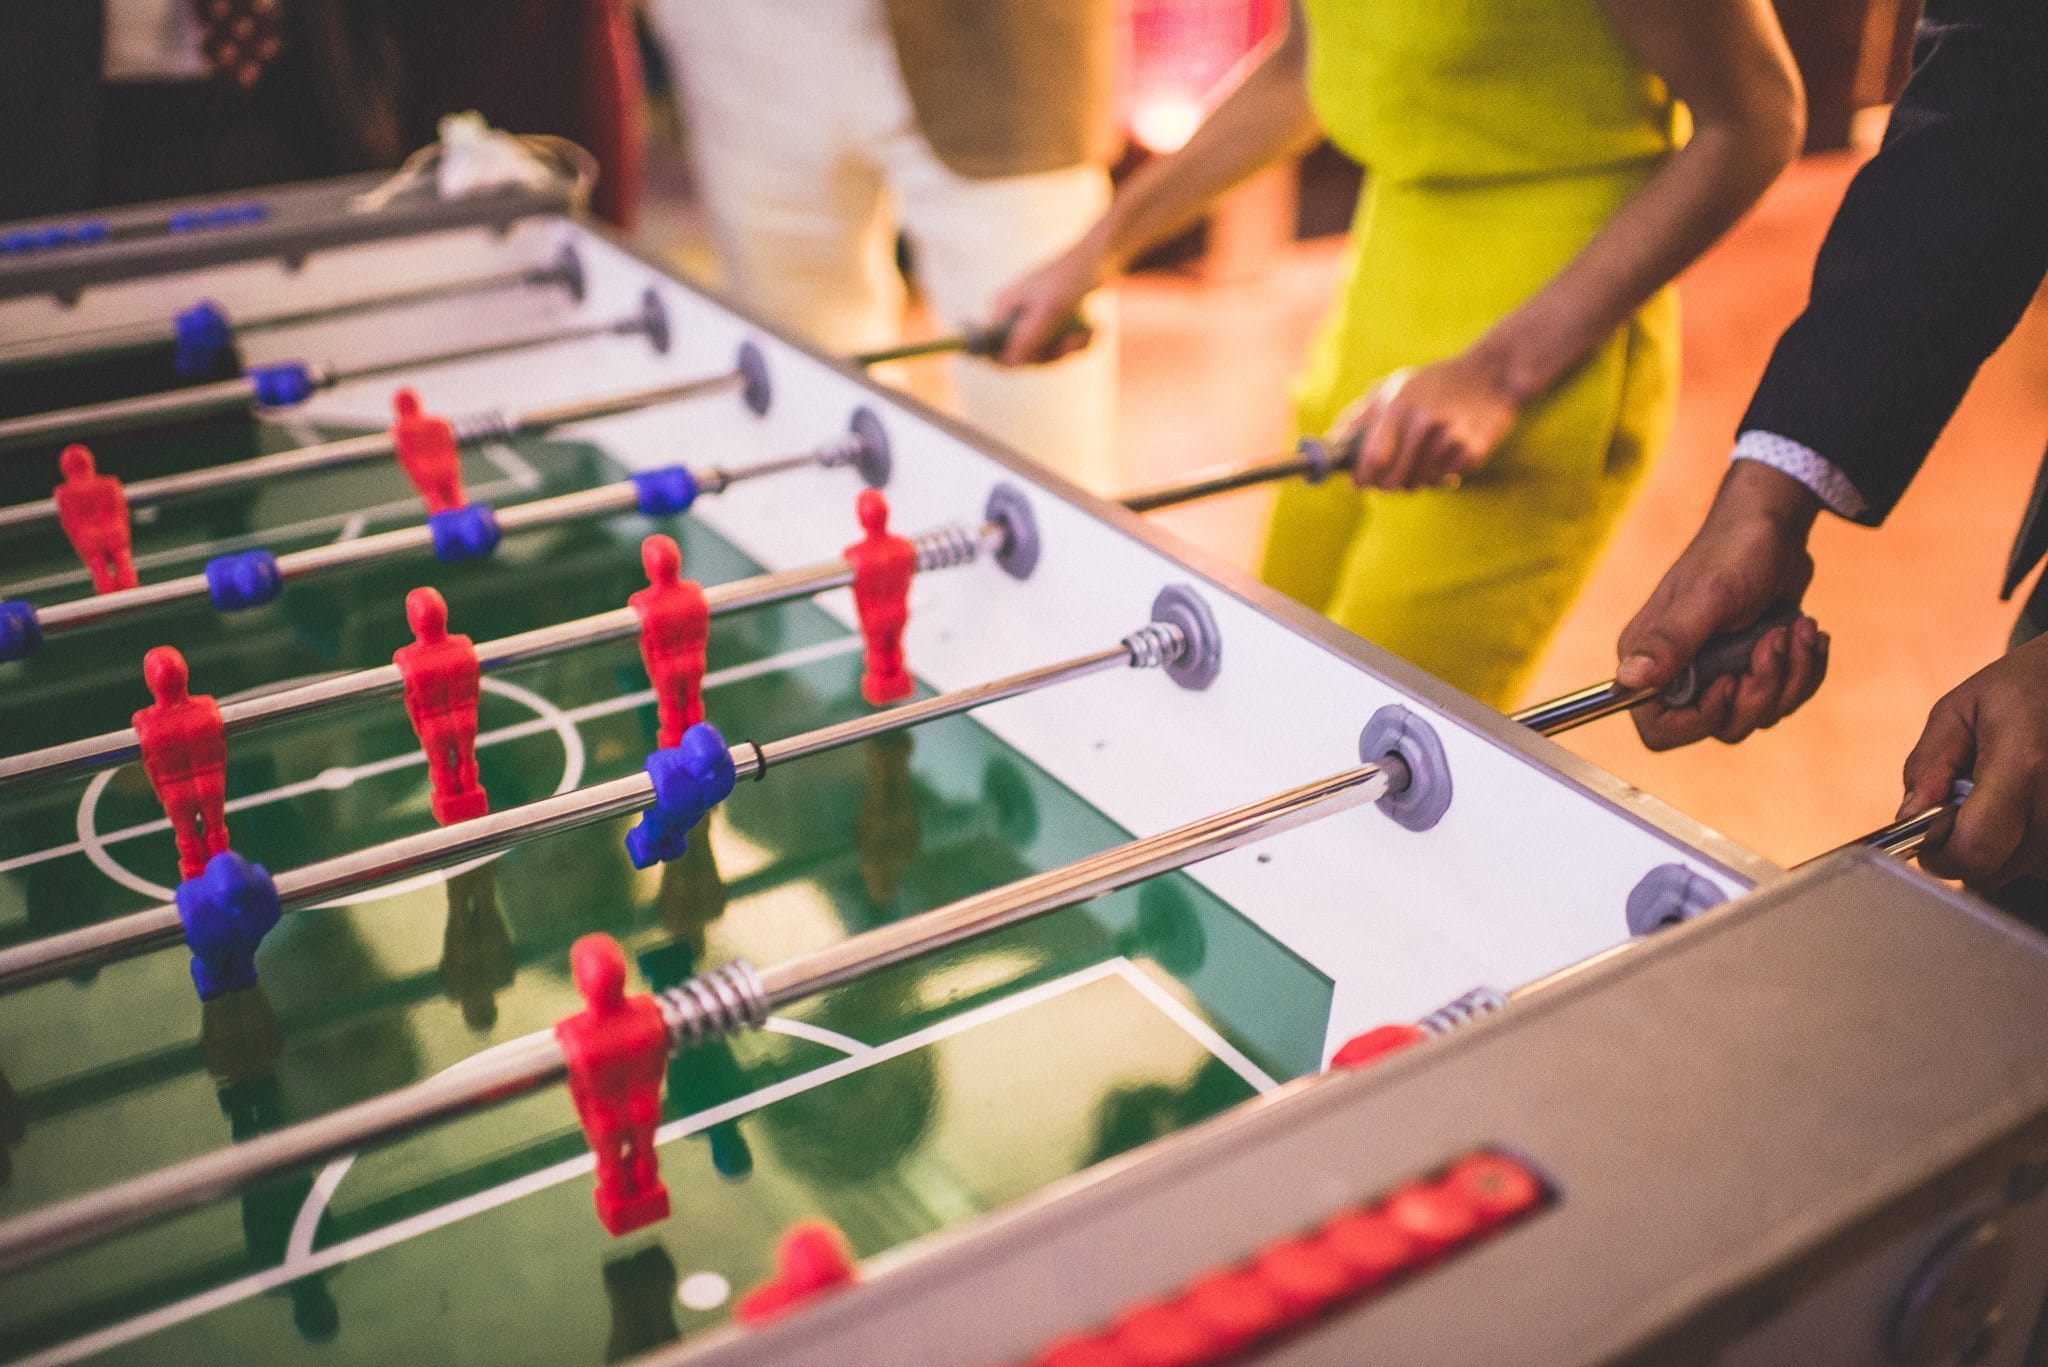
341,776
178,1312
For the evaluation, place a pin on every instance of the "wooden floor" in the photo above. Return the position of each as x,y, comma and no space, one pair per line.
1913,607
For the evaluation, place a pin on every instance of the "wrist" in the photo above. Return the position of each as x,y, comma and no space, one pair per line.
1512,366
1754,492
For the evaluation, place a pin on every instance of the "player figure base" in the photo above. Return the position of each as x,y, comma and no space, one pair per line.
882,689
450,808
622,1215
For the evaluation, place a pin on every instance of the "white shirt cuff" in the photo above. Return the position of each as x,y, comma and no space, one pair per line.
1806,465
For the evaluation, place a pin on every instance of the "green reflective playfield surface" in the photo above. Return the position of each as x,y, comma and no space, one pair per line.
899,1105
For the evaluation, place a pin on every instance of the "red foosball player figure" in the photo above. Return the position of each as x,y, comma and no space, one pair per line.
442,682
675,623
427,452
93,509
882,568
810,1261
185,754
617,1051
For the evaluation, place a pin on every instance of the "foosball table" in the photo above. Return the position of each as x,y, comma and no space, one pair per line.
492,731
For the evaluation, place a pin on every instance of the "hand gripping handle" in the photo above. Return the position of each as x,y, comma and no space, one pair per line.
1724,655
990,340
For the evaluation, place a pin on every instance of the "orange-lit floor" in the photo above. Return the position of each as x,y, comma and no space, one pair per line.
1912,607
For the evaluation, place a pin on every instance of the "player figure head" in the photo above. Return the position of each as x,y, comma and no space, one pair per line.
599,967
76,464
663,561
427,611
163,669
873,511
406,404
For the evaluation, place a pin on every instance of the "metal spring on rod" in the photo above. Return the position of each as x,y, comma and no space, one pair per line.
845,450
496,425
945,548
716,1003
1155,644
1480,1001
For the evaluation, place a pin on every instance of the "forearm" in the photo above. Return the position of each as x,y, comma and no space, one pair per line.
1678,213
1728,62
1263,120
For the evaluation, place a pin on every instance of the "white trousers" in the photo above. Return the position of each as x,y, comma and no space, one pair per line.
809,160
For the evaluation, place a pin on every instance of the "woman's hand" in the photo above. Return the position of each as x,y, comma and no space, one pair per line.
1042,309
1427,426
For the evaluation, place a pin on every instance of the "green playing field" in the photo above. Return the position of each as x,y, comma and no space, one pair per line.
899,1105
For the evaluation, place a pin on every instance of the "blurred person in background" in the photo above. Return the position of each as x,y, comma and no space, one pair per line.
106,102
1504,350
978,129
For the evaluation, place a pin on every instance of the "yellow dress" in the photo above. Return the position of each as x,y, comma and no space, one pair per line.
1498,136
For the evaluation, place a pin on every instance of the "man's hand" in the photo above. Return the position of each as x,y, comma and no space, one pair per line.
1993,730
1427,426
1749,555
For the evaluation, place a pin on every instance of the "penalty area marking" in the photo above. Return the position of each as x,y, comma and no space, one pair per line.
547,716
341,776
308,1262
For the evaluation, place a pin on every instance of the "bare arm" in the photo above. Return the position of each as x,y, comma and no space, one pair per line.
1728,61
1265,118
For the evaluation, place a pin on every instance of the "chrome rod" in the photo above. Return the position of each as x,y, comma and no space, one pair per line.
518,1069
240,391
761,758
376,445
712,1003
971,341
139,932
1902,838
1118,867
604,500
635,323
1313,460
192,401
605,405
935,550
129,337
523,278
1576,709
910,351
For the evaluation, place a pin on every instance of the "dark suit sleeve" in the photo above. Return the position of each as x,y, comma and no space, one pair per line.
1939,245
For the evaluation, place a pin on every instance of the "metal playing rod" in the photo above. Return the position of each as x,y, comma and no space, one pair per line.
565,272
496,426
723,1001
1313,460
970,341
1720,656
942,549
519,1069
1901,839
692,1015
289,383
1154,645
295,565
604,500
